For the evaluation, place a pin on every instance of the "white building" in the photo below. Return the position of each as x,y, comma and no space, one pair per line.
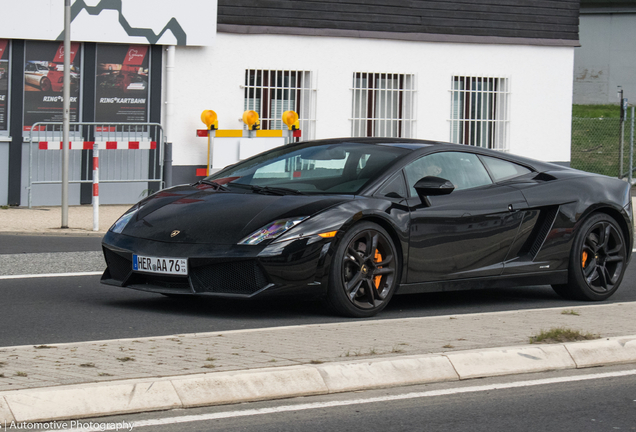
492,73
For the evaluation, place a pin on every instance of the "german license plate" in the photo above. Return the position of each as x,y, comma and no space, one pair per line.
169,266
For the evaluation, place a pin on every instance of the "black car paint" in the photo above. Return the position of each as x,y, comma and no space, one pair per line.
533,219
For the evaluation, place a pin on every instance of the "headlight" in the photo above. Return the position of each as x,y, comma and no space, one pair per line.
121,223
272,230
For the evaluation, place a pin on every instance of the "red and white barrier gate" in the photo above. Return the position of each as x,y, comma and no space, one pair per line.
112,136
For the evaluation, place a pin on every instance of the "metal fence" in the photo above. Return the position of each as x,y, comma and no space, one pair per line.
602,145
117,165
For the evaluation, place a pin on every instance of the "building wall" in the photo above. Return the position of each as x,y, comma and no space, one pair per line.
606,58
540,79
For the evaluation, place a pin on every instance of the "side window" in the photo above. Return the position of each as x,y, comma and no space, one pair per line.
503,170
464,170
393,188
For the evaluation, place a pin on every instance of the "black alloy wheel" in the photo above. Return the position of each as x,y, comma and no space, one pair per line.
364,273
597,261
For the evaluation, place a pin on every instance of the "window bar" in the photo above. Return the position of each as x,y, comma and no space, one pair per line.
496,112
462,113
371,101
392,98
391,93
354,124
379,104
483,118
492,113
383,94
497,116
367,98
452,109
357,83
466,111
361,85
480,112
401,94
374,100
491,116
301,82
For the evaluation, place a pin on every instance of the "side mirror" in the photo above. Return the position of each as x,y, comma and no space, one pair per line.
433,186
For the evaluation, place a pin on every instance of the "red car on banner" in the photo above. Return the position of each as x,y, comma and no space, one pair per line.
49,76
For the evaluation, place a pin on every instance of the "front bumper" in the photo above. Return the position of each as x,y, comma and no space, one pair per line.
221,270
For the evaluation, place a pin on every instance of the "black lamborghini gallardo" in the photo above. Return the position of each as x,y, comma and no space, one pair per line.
358,220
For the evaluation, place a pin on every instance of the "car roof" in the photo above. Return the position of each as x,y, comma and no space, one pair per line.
416,145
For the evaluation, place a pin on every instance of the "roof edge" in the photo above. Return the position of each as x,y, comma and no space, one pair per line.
415,37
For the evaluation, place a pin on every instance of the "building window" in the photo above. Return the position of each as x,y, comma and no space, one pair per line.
383,105
479,111
272,92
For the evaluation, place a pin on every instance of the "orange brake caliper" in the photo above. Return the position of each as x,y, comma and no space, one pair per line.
377,279
583,259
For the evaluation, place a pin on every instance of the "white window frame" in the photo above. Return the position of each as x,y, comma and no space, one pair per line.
480,111
271,92
383,105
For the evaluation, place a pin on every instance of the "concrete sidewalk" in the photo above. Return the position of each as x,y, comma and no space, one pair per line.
48,220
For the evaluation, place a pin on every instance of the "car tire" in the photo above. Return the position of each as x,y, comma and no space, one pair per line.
597,260
364,272
45,84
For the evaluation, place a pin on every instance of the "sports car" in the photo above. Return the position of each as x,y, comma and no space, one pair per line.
357,220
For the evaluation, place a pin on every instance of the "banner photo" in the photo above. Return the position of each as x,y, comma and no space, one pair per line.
4,83
122,84
43,82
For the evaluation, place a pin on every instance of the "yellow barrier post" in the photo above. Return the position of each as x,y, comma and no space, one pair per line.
290,118
210,119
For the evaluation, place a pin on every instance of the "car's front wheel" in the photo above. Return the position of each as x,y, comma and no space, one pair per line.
597,260
364,271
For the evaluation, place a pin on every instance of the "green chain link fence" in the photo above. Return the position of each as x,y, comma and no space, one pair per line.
596,144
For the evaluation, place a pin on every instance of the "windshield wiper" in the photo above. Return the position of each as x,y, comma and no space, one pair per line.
217,186
275,190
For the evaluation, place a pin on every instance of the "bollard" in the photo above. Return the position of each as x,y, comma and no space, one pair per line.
95,187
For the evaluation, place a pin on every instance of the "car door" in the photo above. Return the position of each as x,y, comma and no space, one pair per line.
466,233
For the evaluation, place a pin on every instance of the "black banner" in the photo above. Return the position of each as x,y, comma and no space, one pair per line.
122,84
4,82
43,82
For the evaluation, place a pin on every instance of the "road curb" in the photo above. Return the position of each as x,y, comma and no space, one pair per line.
142,395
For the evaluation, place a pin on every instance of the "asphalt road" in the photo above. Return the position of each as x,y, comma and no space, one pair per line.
19,244
79,308
596,404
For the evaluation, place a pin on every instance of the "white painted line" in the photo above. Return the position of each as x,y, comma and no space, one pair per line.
47,275
331,404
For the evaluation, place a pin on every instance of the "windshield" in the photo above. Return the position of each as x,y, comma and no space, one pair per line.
319,168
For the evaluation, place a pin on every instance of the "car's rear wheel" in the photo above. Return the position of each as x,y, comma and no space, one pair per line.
597,260
45,84
364,272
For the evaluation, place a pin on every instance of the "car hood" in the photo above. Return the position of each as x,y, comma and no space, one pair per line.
208,216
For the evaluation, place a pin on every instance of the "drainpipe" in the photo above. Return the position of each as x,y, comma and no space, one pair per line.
169,120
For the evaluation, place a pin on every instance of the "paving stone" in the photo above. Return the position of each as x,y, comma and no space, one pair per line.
255,349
